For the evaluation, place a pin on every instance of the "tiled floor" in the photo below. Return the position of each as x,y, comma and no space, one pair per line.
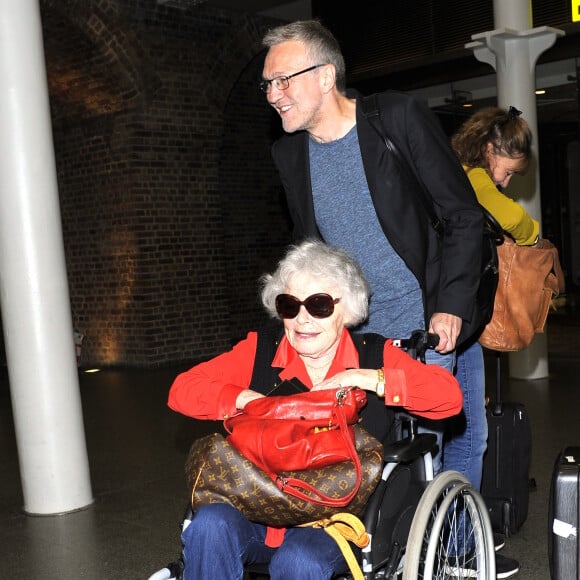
137,446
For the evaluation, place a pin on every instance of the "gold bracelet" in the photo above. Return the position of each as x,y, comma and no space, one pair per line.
380,390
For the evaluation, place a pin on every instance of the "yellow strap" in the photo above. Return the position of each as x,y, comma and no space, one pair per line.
343,528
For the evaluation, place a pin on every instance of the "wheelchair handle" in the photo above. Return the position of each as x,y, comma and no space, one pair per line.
418,343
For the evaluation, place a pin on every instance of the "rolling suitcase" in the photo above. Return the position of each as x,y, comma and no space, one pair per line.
505,484
564,516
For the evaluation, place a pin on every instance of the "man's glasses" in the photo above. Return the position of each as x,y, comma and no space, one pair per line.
282,83
318,305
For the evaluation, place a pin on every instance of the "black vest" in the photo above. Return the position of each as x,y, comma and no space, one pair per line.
377,418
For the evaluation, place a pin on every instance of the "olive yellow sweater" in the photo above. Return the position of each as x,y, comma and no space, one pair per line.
512,217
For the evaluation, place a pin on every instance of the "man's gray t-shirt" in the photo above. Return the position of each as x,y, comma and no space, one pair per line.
346,218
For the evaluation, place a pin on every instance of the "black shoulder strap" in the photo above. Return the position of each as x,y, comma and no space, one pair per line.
369,345
371,111
376,417
370,349
264,375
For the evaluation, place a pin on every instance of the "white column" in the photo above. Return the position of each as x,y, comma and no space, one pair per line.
514,14
513,50
34,291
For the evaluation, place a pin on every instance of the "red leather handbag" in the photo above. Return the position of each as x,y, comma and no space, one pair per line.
305,431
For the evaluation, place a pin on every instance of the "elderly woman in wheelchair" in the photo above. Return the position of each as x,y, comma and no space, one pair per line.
318,292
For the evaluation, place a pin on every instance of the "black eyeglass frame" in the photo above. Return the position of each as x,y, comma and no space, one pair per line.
281,83
292,305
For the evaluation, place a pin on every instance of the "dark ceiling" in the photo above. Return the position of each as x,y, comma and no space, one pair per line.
421,47
392,55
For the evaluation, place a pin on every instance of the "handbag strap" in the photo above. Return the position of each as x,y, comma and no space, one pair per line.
494,228
303,490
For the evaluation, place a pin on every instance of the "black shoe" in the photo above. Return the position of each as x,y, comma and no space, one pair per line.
505,567
466,567
498,541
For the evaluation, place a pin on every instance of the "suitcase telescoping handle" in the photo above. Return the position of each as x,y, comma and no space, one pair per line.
496,406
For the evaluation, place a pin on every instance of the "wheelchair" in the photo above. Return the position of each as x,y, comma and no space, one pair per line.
420,526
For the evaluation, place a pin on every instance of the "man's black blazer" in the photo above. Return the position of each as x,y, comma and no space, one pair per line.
447,270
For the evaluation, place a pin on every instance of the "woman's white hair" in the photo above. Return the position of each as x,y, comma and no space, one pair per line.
329,263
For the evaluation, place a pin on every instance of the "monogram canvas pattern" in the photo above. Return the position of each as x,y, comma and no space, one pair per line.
217,473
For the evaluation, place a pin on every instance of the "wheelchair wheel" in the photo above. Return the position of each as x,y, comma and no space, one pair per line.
451,535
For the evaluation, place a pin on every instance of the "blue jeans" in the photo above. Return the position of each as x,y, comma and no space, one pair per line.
462,439
447,361
220,540
466,436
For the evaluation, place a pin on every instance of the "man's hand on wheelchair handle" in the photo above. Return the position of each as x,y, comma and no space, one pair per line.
448,327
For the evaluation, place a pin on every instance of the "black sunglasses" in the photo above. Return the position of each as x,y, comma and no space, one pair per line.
318,305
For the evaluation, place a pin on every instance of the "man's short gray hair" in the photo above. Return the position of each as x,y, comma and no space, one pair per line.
321,44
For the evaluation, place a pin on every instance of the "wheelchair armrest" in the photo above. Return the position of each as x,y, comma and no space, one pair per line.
410,448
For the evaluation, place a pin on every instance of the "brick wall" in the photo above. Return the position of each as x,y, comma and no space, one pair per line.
170,204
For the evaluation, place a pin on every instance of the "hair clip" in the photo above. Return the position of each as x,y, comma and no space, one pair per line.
513,113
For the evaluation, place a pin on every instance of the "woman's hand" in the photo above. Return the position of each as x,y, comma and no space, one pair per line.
245,397
364,378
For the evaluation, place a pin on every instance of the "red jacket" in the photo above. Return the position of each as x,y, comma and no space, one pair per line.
209,390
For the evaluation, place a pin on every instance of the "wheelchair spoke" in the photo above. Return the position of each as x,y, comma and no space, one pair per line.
451,534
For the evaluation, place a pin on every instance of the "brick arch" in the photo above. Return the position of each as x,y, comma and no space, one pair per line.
170,206
241,51
94,64
256,225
